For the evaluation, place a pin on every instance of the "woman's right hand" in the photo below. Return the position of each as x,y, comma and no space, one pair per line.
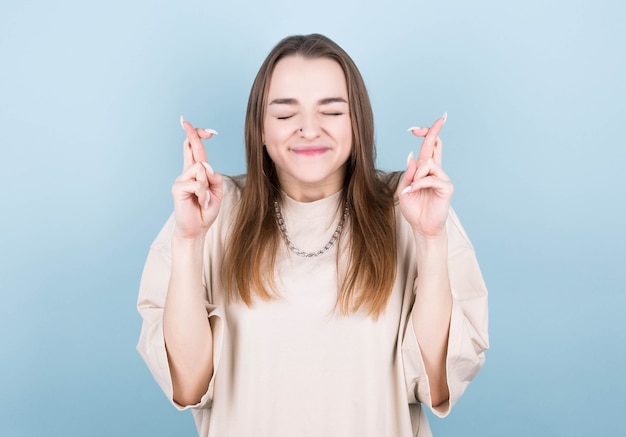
197,192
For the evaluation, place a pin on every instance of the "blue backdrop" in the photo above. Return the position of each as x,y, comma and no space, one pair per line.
90,96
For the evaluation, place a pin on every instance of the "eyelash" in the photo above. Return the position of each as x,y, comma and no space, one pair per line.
287,117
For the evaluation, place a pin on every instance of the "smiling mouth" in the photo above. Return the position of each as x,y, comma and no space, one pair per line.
310,150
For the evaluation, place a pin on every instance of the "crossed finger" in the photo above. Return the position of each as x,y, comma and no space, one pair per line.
193,149
431,146
195,180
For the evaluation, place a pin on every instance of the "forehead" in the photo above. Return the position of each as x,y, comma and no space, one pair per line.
296,76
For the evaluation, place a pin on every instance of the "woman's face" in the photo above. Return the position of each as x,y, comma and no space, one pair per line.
307,129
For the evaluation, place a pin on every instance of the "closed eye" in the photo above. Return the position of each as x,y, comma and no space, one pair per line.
333,113
285,117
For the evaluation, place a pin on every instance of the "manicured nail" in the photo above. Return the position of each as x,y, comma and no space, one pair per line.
409,158
208,167
212,131
411,129
445,117
181,121
407,190
207,200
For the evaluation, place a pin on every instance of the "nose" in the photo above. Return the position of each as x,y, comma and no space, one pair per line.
310,127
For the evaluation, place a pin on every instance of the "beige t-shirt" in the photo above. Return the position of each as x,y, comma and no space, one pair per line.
293,366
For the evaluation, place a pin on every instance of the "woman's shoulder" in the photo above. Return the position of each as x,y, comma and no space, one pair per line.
388,183
390,179
231,193
234,183
232,187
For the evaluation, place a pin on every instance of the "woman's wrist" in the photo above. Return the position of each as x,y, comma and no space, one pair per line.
184,245
431,242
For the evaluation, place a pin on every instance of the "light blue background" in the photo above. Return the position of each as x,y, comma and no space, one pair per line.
90,95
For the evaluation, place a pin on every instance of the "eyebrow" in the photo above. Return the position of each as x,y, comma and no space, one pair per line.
326,101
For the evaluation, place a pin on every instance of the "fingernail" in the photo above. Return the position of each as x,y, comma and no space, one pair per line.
181,121
445,117
212,131
208,167
406,190
411,129
409,158
207,200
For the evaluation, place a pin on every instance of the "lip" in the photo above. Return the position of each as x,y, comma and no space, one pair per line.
310,150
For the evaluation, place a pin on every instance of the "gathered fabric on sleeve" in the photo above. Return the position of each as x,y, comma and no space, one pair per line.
468,336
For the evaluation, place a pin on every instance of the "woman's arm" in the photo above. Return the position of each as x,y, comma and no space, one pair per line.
424,192
186,328
432,310
197,195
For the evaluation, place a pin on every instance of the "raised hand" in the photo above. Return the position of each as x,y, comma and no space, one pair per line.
425,189
197,192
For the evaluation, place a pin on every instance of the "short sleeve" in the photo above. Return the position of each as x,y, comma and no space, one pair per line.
468,337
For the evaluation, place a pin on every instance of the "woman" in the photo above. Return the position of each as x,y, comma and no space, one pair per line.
314,296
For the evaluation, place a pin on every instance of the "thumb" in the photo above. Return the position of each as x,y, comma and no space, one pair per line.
409,174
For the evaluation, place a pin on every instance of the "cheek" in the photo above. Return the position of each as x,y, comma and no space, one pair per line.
346,132
274,134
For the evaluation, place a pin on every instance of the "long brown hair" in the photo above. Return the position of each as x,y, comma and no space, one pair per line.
255,239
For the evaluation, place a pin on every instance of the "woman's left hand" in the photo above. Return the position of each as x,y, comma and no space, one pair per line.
425,189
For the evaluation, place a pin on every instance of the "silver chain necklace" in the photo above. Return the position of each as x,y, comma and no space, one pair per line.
302,253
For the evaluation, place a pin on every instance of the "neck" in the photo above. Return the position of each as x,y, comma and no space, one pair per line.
309,192
309,195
